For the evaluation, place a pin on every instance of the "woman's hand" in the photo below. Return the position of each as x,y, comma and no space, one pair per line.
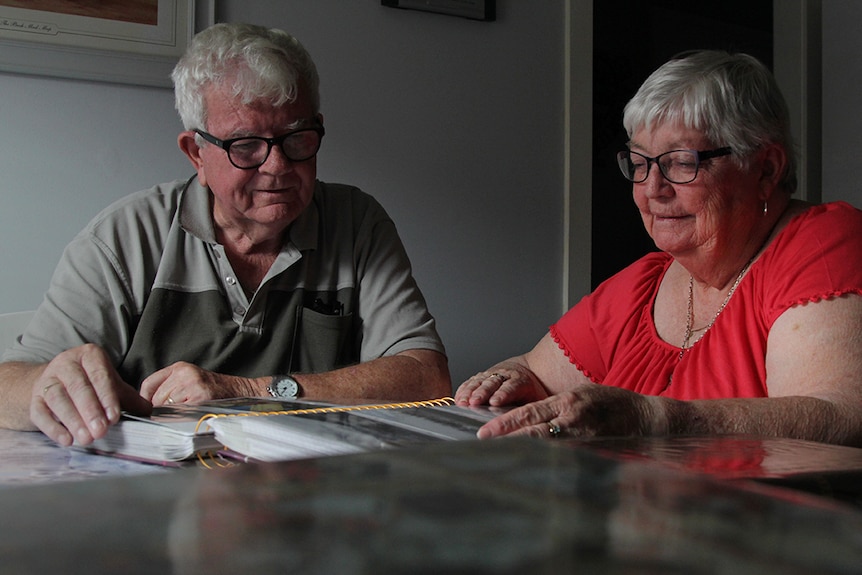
506,383
184,382
587,410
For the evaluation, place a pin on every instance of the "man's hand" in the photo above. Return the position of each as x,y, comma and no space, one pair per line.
79,394
184,382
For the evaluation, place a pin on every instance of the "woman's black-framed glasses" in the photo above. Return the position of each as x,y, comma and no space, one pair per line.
250,152
677,166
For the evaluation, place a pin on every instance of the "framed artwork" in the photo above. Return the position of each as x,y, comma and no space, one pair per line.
125,41
474,9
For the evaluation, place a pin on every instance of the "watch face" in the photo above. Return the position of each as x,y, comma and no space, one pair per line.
286,387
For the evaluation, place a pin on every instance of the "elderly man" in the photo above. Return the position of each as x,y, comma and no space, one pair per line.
250,279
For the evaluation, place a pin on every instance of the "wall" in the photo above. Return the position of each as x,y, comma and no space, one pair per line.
842,93
455,125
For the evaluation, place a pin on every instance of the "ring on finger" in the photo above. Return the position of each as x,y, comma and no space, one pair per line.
169,400
49,386
554,429
498,375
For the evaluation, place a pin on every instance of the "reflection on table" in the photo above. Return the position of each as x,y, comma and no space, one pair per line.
502,506
832,471
30,458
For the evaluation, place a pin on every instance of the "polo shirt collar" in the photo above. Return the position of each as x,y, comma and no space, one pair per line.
196,217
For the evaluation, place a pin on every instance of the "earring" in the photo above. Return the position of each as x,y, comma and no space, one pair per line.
765,207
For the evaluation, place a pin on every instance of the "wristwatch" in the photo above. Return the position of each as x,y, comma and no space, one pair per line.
284,386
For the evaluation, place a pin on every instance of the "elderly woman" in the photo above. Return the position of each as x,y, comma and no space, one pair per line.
749,319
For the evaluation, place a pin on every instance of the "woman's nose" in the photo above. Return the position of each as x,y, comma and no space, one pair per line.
655,183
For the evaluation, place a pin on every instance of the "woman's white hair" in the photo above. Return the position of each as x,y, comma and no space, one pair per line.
251,62
733,99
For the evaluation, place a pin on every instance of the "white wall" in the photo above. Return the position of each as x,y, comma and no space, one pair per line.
455,125
67,149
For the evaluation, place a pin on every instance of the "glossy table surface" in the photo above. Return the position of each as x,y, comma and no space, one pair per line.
28,458
832,471
502,506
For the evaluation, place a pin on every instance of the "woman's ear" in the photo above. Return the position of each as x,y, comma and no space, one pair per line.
772,161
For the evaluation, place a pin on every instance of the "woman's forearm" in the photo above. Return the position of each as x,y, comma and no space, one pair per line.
800,417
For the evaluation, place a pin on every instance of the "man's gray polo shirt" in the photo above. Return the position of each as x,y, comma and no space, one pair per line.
148,282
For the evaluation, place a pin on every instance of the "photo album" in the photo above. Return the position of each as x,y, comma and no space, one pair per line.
264,429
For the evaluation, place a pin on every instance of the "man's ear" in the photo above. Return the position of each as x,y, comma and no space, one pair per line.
187,141
189,146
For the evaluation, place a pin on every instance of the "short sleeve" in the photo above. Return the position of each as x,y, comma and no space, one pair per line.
619,309
816,257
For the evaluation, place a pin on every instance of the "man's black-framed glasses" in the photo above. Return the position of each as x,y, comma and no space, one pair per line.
677,166
250,152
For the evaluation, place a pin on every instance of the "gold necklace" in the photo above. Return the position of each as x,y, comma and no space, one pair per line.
689,316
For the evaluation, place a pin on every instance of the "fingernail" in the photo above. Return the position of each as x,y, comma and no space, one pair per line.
112,413
97,424
82,436
65,439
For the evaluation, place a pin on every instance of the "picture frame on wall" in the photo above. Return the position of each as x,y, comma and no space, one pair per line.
485,10
122,41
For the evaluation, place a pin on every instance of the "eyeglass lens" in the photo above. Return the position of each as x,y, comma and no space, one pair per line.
677,166
253,151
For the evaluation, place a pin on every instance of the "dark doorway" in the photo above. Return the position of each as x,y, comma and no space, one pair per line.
631,39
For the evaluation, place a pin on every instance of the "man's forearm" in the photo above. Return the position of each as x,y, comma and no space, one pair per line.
16,383
409,376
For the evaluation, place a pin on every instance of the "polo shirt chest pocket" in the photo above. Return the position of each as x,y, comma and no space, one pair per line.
323,341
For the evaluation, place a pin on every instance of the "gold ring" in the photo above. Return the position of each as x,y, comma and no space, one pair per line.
554,429
49,386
